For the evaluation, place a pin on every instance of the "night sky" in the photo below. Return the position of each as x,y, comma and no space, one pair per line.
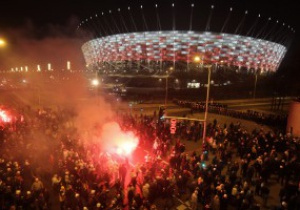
40,32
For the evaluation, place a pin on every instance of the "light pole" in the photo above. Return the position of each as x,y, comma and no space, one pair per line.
206,102
198,59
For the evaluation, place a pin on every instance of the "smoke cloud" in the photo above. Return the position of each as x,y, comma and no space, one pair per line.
59,89
32,45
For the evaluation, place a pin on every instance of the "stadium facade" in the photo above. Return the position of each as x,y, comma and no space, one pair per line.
155,47
155,37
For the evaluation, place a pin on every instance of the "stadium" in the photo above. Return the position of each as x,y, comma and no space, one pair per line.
157,43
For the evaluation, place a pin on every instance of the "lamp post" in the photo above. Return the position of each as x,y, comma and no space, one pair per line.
206,102
198,59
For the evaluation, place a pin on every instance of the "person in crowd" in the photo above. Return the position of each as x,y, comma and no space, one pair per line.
37,187
194,200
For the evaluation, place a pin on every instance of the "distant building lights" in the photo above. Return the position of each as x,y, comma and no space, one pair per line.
68,65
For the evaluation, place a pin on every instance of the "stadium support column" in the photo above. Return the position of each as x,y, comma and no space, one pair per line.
206,103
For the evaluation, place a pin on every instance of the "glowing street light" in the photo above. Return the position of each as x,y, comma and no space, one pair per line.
197,59
49,66
68,65
95,82
2,42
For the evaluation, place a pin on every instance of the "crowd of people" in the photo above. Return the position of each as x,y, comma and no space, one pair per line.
46,162
274,120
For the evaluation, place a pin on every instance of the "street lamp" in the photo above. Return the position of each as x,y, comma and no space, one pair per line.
206,102
198,59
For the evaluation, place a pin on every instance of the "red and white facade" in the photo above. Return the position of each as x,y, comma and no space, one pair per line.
183,46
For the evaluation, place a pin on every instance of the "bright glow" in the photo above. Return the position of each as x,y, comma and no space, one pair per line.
117,141
2,42
197,59
193,85
49,66
68,65
95,82
4,118
38,68
126,148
